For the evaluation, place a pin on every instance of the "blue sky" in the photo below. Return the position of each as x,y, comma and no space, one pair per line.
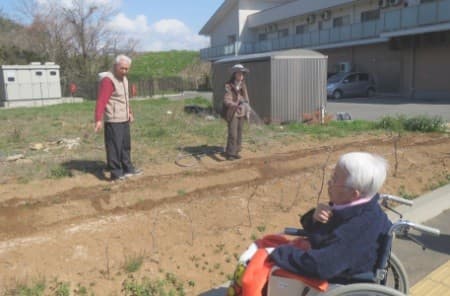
158,24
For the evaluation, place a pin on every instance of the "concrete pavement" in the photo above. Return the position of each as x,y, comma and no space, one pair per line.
428,270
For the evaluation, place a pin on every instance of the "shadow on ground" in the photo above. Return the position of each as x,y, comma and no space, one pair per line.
93,167
439,243
191,155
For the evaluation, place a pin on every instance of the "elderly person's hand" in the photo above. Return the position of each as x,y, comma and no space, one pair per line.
322,213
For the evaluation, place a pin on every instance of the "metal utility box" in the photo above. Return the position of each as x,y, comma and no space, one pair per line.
282,85
35,84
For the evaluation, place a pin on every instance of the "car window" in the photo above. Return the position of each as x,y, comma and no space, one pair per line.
351,78
336,78
363,77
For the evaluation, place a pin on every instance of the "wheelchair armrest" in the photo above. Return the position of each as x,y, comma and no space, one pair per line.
364,277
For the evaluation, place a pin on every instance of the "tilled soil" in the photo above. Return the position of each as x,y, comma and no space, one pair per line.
188,221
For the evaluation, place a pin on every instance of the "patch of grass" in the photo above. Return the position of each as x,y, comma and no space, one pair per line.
439,183
35,289
261,228
156,135
169,286
62,289
133,263
418,123
81,290
403,193
59,172
332,129
161,64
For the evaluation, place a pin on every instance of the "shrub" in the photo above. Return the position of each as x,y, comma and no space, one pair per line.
418,123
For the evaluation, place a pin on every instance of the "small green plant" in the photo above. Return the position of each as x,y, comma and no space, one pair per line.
59,172
133,263
62,289
403,193
80,290
36,289
419,123
219,248
442,182
181,192
16,135
261,228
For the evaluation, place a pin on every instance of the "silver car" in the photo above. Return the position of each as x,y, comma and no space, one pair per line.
350,84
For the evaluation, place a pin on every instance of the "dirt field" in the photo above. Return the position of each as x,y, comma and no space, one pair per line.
188,221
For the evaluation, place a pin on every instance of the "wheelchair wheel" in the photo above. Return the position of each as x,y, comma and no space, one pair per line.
397,277
364,290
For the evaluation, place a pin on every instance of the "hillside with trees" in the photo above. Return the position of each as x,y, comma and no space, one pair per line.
77,38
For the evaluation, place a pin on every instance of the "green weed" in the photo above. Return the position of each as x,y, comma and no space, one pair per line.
419,123
403,193
59,172
36,289
133,263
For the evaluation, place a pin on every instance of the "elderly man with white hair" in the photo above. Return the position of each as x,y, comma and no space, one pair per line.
113,107
344,235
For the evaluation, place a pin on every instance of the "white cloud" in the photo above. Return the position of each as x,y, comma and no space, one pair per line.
122,23
166,34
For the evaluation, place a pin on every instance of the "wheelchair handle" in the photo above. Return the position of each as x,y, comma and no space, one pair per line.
295,231
396,199
400,225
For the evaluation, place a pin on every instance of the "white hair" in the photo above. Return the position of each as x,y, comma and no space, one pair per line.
122,57
366,172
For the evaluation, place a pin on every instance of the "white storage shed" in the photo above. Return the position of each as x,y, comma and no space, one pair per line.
35,84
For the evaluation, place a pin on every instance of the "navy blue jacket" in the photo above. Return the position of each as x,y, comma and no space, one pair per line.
348,244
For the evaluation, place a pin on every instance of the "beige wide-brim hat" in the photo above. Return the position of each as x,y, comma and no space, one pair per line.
239,68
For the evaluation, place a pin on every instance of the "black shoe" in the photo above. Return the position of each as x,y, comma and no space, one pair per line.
233,157
133,172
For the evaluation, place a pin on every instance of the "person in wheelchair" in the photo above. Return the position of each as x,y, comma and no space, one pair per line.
345,235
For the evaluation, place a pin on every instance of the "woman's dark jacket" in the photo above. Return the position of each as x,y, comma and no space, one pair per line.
348,244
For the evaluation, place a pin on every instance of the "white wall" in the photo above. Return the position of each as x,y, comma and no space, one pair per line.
228,26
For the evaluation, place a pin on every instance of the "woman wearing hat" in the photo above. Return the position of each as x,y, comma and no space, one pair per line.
236,110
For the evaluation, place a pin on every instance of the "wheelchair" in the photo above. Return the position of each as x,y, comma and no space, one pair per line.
388,279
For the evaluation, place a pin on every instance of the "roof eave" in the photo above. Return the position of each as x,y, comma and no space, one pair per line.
216,17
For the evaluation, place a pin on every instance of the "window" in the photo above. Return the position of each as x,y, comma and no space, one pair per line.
52,73
300,29
341,21
38,73
320,25
351,78
363,77
11,79
231,39
371,15
262,36
283,33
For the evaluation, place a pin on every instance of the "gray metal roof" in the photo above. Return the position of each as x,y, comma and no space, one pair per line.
294,53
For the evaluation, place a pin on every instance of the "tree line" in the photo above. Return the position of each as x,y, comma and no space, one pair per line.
74,34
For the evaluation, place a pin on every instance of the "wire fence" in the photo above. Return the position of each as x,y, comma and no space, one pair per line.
142,88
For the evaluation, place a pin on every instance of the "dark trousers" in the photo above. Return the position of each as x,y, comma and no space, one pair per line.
234,140
118,148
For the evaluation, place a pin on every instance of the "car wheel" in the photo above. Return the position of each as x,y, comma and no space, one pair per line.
337,94
371,92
